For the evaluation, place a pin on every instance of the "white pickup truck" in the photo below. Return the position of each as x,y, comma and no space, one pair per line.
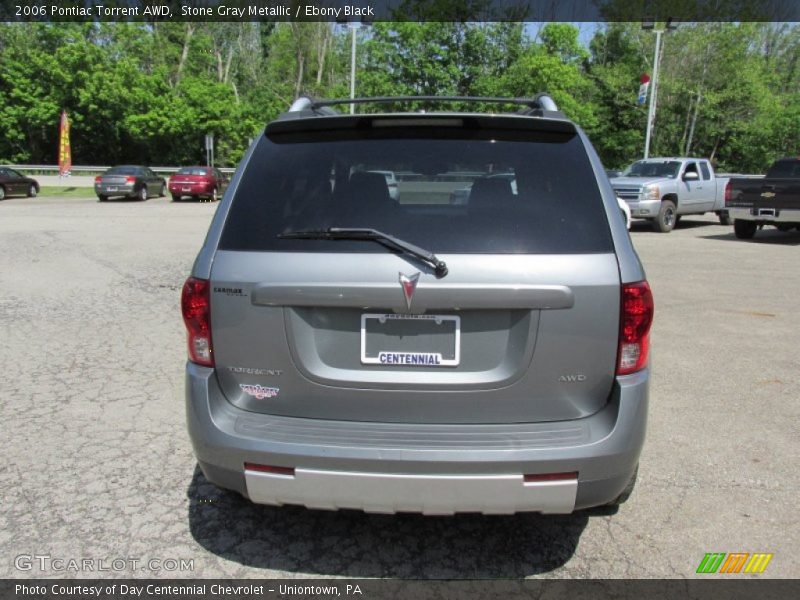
662,190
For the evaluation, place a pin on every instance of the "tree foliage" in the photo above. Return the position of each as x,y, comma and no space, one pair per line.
149,92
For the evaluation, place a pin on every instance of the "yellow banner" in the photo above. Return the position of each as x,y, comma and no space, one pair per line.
64,150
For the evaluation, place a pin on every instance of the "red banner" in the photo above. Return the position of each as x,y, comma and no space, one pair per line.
64,150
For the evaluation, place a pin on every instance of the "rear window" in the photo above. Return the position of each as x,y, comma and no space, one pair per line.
123,171
785,168
193,171
457,191
649,168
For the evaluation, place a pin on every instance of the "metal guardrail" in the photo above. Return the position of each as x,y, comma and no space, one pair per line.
46,169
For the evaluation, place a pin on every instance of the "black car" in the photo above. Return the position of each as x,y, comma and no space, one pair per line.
15,183
129,181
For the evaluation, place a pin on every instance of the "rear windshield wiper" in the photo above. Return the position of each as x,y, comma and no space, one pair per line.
343,233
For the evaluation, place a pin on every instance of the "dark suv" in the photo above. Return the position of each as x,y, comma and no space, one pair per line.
350,348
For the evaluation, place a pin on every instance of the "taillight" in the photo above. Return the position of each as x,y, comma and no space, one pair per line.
728,192
98,179
196,308
634,327
130,179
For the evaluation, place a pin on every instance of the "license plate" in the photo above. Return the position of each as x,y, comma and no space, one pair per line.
111,188
410,340
186,189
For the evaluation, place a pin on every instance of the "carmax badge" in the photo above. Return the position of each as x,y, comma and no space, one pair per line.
409,285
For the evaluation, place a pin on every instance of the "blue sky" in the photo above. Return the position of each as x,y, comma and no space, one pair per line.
586,30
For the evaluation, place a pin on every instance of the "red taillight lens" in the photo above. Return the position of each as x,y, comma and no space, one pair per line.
97,179
634,327
728,193
130,179
196,308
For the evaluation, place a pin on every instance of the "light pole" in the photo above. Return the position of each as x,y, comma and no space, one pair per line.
354,26
651,110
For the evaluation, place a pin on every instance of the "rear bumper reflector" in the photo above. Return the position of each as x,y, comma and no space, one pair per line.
550,477
427,494
286,471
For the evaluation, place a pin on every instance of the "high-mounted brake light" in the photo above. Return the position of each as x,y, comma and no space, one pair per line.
634,327
196,308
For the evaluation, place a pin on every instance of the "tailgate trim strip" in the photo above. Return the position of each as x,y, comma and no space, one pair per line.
431,296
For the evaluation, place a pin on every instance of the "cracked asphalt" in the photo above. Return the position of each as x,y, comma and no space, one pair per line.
97,463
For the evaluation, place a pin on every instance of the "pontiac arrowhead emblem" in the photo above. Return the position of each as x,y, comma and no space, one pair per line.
409,285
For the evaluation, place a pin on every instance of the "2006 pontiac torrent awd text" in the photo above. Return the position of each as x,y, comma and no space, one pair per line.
355,348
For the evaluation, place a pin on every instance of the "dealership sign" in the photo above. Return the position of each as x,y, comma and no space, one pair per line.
644,80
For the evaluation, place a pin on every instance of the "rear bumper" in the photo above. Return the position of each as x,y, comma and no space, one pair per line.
114,190
191,190
433,469
767,216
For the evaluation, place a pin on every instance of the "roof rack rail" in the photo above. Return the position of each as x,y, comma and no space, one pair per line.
302,103
306,103
541,101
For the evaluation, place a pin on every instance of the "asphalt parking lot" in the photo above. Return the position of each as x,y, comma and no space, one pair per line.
97,463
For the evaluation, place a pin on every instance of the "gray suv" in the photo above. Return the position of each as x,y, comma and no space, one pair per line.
350,348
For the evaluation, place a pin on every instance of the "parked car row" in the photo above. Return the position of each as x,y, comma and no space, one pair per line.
140,183
134,182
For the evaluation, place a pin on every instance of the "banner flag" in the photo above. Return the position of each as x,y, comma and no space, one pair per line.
64,150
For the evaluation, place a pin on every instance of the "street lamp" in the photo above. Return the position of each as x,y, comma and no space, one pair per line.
651,111
354,26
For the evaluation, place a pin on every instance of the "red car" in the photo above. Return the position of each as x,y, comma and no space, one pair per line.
205,183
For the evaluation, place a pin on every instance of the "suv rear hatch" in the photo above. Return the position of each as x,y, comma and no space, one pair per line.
523,328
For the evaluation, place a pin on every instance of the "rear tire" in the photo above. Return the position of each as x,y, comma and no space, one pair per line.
725,218
175,198
214,196
102,198
784,227
2,192
143,193
163,191
666,219
744,230
32,191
